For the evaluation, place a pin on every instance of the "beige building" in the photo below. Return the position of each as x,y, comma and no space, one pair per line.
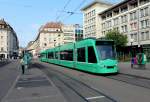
91,21
54,34
50,35
9,44
130,17
33,47
69,32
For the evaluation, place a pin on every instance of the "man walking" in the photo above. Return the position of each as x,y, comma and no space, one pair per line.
22,65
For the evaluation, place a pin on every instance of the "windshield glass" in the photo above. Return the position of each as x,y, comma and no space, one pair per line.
105,52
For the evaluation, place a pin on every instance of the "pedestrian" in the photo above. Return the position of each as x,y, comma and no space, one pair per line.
132,62
144,60
135,60
22,65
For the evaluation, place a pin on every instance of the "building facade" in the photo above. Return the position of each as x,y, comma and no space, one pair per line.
55,34
9,44
33,48
78,32
131,18
48,36
72,33
91,20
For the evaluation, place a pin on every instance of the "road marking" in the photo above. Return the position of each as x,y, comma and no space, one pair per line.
32,80
90,98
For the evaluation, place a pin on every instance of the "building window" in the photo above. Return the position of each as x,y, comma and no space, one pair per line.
116,12
144,2
109,14
133,16
116,21
124,28
145,23
133,4
2,49
133,26
116,28
142,35
1,37
124,18
147,35
103,26
124,9
131,36
144,12
103,33
108,24
134,36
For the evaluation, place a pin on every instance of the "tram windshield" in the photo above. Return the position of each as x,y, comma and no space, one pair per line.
106,51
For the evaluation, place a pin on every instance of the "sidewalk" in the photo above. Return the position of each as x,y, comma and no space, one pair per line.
33,86
125,67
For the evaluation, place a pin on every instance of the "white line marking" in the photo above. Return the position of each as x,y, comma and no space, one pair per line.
32,80
90,98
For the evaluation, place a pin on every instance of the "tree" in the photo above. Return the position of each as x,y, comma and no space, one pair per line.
120,41
119,38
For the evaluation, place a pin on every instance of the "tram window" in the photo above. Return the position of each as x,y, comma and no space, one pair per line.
67,55
50,55
91,55
62,57
56,55
81,54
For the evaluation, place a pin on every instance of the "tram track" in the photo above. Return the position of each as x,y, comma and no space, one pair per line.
84,91
131,79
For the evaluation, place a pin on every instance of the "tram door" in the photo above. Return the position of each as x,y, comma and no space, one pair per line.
91,59
81,58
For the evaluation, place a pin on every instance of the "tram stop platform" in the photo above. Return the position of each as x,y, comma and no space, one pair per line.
125,68
33,86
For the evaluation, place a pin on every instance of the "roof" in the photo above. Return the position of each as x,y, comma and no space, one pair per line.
114,6
2,22
53,25
96,1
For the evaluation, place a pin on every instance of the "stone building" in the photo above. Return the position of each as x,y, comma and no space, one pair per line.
9,44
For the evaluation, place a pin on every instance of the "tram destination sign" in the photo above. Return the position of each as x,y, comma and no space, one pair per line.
105,42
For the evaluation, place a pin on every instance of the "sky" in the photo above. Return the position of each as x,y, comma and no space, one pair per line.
26,16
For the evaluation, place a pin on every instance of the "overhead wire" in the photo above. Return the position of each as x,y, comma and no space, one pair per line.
74,11
65,6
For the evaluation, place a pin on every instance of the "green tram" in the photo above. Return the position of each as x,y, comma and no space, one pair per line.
91,55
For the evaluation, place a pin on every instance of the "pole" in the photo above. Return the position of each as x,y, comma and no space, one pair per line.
132,60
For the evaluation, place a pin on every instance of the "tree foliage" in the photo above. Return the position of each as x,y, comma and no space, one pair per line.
119,38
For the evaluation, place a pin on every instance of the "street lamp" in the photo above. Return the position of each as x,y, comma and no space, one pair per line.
131,40
54,43
132,59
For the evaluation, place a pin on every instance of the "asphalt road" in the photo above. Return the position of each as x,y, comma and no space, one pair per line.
116,90
8,73
77,86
